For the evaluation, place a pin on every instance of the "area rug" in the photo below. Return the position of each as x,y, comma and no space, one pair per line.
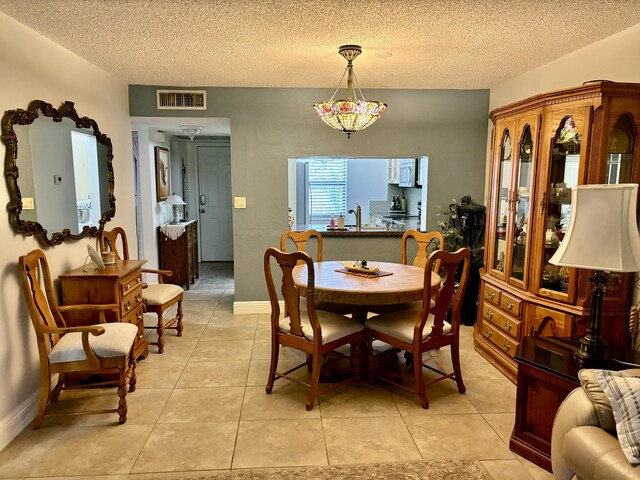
459,469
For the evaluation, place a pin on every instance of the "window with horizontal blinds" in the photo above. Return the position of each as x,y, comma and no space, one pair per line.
327,188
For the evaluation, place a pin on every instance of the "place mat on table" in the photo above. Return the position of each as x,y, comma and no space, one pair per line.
379,273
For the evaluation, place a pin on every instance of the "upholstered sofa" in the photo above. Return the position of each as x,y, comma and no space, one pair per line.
584,442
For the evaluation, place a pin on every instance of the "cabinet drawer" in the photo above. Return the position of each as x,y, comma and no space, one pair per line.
510,304
504,322
126,285
136,317
497,338
492,294
131,301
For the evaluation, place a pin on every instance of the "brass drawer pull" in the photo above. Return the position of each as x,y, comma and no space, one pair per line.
488,332
510,305
490,314
508,324
490,295
127,287
506,345
138,298
127,306
139,316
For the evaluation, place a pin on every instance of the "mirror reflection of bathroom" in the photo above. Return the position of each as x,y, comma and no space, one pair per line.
87,187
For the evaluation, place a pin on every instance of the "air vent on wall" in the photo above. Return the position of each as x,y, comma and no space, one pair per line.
182,99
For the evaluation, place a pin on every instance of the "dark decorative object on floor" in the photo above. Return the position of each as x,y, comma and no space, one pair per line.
469,220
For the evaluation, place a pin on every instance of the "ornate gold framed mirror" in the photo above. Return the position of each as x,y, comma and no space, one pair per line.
59,173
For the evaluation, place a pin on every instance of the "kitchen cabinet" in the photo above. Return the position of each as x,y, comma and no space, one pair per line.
541,148
394,171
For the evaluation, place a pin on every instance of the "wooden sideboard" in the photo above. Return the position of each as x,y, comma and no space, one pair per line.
120,283
180,255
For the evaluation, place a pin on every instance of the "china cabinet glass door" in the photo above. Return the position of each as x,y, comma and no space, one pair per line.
564,171
521,215
620,151
503,203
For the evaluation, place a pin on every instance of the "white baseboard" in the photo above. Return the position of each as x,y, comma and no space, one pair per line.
16,421
252,307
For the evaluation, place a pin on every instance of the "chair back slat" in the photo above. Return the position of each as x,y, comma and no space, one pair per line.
289,291
109,242
300,240
423,241
41,304
449,295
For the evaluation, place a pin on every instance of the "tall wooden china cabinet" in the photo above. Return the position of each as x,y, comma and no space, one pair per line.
542,147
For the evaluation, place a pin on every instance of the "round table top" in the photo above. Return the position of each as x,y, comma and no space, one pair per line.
406,284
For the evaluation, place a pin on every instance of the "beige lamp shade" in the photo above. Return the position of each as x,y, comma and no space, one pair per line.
603,229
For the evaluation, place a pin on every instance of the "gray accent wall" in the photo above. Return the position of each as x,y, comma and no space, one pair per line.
270,125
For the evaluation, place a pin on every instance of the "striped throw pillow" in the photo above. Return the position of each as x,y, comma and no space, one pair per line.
623,391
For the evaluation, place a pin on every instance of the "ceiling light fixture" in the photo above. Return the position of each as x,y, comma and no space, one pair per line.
191,130
353,114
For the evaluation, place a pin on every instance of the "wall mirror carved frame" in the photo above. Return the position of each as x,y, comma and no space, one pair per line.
96,175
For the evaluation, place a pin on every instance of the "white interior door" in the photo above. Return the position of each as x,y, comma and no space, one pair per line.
216,226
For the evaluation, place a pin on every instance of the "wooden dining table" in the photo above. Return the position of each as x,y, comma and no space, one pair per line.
404,285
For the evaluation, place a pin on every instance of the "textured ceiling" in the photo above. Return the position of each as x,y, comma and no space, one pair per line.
286,43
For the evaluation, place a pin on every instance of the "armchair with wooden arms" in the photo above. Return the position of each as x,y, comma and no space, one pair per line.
157,297
102,348
418,331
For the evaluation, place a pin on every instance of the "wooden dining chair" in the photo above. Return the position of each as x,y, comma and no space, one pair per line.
425,242
300,240
102,348
309,330
418,331
157,297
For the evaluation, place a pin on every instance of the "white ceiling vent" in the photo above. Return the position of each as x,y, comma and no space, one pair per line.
182,99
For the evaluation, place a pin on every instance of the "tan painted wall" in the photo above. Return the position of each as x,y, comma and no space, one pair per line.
53,74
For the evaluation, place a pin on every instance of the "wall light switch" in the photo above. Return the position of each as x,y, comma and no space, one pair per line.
28,204
239,202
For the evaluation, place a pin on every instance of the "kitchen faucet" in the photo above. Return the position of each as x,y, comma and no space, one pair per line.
358,212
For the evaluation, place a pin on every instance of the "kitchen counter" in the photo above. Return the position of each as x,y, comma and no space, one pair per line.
393,230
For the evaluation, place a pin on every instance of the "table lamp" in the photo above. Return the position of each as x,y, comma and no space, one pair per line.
175,201
602,236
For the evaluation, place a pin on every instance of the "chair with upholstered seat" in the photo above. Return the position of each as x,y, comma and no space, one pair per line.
157,297
418,331
311,331
102,348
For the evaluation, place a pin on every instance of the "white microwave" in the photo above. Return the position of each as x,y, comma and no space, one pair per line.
407,172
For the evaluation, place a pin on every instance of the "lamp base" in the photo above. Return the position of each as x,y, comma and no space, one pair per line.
176,216
592,347
592,350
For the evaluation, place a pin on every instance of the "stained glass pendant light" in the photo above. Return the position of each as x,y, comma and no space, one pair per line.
353,114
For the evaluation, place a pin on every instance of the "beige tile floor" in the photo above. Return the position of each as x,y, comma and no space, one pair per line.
201,406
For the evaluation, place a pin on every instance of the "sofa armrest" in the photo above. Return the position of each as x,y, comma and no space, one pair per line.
576,411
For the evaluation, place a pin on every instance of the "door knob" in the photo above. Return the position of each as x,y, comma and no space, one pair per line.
202,210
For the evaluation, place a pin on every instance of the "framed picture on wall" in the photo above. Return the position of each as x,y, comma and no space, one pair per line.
163,173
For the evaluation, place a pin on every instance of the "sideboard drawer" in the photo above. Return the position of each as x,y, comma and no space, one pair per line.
511,304
492,294
506,344
502,321
127,285
131,301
